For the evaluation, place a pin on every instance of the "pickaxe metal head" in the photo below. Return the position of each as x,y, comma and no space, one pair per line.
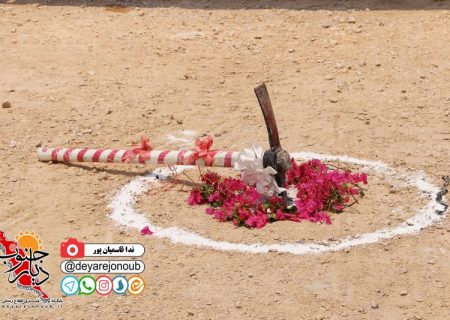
275,157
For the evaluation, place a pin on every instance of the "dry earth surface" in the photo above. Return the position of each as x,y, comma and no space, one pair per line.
369,79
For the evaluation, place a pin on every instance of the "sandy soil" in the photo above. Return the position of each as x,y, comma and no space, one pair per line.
366,79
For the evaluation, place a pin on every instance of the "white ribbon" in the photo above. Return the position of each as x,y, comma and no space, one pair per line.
250,163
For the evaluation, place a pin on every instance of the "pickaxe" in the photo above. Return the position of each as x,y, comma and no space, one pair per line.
275,157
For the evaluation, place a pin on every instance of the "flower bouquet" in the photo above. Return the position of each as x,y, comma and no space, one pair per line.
253,200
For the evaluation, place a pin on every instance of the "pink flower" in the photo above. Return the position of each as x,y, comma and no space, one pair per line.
146,231
214,197
280,215
257,221
195,197
210,178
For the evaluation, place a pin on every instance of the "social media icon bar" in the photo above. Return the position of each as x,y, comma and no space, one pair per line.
136,285
69,285
104,285
120,285
87,285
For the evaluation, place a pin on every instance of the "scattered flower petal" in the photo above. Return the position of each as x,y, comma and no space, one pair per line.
146,231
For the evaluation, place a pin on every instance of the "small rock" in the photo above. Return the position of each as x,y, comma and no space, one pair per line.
403,292
333,100
432,262
95,305
326,25
351,20
190,313
329,77
291,50
374,305
6,105
180,121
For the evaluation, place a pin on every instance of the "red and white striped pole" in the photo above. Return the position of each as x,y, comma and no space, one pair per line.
167,157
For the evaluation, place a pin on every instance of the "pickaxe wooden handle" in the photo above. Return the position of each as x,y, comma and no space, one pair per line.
276,157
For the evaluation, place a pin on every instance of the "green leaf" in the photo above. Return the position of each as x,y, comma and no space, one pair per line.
216,204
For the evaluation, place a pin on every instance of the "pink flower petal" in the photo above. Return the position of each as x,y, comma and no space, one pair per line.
146,231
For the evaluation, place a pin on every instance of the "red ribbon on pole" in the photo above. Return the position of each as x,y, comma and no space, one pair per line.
143,151
201,150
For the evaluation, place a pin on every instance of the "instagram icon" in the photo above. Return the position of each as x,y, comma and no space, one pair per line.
104,285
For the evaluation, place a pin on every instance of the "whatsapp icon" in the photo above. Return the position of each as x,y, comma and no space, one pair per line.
87,285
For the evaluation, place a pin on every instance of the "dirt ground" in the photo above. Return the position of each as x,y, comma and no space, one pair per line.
368,79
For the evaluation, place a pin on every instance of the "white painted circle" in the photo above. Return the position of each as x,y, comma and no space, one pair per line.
124,213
